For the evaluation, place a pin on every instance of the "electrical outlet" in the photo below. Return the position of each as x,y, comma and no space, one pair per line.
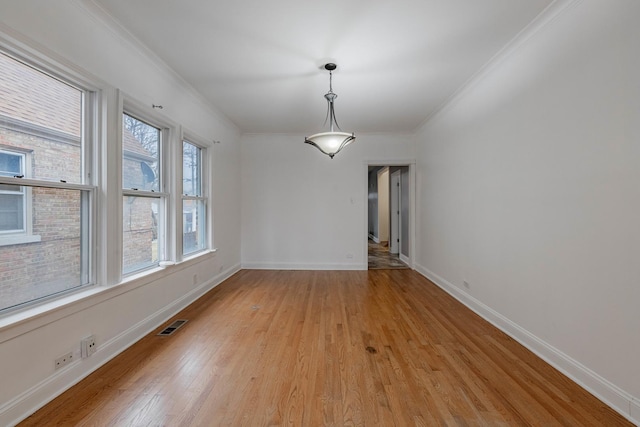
64,360
466,284
195,279
88,346
349,256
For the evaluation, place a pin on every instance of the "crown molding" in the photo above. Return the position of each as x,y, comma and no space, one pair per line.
544,18
102,17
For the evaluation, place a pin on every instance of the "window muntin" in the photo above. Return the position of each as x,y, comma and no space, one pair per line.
45,197
194,202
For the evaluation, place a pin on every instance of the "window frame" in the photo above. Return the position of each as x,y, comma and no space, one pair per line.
205,196
26,199
166,129
90,112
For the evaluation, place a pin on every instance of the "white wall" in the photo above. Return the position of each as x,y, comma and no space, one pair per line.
529,189
121,314
383,204
301,209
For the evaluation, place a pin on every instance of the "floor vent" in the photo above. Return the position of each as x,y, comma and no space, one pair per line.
172,327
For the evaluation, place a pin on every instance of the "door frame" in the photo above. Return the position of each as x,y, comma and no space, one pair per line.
411,163
395,220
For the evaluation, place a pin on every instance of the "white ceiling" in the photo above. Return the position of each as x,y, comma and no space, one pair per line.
260,62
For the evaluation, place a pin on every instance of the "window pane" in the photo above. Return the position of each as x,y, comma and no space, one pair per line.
141,152
191,170
9,188
54,264
11,213
141,223
10,164
42,116
193,224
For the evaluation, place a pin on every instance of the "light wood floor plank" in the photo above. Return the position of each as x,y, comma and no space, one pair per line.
311,348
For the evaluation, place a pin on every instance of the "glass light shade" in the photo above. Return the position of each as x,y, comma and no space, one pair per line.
330,143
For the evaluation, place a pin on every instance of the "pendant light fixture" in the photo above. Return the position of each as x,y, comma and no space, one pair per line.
330,143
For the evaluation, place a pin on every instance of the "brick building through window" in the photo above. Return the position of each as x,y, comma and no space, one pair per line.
43,242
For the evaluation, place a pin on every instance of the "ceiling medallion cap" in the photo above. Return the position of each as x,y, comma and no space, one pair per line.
330,66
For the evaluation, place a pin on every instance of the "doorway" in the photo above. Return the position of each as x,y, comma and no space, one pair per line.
389,216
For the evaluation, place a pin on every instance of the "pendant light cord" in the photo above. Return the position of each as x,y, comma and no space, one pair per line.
330,81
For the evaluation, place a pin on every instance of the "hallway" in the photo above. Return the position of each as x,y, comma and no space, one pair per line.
381,259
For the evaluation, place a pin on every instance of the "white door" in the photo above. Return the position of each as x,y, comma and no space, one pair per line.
394,195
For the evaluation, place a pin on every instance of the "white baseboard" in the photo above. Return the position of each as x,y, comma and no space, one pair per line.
405,259
619,400
25,404
634,411
300,266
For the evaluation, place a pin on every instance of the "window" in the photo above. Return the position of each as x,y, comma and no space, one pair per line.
143,200
12,197
46,196
49,128
194,203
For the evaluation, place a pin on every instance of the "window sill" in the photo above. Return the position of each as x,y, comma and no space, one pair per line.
19,239
188,260
30,318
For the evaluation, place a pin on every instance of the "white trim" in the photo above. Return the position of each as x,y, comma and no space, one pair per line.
57,69
618,399
26,50
299,266
169,131
205,194
411,163
389,162
404,259
547,16
143,193
22,321
46,184
23,405
102,17
634,411
110,202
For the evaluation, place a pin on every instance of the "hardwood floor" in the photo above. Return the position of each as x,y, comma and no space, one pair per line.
376,348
